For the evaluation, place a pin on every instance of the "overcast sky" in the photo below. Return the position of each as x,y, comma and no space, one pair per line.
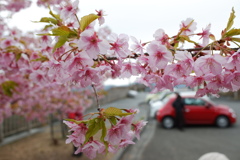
141,18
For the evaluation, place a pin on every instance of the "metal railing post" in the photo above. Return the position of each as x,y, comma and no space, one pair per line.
1,132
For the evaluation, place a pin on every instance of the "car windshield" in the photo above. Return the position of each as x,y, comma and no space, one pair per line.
194,101
166,98
206,98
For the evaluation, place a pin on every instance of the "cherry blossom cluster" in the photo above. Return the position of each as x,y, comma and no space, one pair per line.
120,134
37,75
17,5
89,56
14,5
26,86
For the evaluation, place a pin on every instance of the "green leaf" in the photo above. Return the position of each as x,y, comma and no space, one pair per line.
45,34
112,111
18,56
86,20
104,133
77,122
236,39
94,125
48,20
232,32
16,51
64,34
73,34
231,20
8,87
61,41
42,59
47,26
104,130
56,16
113,120
176,45
61,31
183,38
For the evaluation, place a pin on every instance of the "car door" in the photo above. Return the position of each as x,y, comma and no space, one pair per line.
197,111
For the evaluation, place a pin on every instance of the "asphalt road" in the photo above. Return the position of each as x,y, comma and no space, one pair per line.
161,144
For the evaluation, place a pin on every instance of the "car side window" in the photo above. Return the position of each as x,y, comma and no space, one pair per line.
194,101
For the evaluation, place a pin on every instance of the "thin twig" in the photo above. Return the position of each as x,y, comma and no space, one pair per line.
96,95
207,48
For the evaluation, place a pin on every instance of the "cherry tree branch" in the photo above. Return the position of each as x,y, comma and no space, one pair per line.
96,95
134,56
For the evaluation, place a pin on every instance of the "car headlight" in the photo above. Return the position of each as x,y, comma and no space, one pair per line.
231,110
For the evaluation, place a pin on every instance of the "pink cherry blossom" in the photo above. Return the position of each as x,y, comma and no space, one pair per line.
138,127
203,91
68,10
161,37
129,69
94,46
112,149
6,59
80,61
127,120
159,56
132,110
205,35
45,41
234,80
7,42
104,32
185,59
91,149
101,19
125,142
169,81
17,5
38,76
234,61
188,26
116,69
215,82
146,79
137,46
119,45
159,84
78,135
193,81
86,77
46,3
175,69
115,134
209,64
56,70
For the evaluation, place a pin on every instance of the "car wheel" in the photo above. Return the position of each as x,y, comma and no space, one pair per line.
168,122
222,121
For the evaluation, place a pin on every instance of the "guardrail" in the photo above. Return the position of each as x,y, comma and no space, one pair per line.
16,124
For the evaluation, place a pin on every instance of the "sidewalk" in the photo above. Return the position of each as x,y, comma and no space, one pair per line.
39,145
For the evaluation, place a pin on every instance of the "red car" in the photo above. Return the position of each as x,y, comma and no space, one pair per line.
197,111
